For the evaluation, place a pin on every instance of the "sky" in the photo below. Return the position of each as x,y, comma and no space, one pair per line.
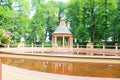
61,0
33,12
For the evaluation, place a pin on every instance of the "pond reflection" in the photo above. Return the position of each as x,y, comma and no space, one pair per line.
83,69
60,67
68,68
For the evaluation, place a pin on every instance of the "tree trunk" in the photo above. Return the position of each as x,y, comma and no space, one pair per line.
93,22
47,22
106,19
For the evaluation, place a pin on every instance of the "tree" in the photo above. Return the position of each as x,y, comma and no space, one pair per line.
94,19
6,14
61,6
116,24
75,15
90,20
14,18
52,17
37,25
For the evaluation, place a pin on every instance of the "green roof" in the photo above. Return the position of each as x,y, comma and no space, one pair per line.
62,30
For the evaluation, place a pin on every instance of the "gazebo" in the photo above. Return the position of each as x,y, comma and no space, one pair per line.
62,38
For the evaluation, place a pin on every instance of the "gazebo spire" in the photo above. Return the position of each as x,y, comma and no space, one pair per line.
62,22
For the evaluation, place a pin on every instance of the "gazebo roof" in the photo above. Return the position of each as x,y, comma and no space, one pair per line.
62,28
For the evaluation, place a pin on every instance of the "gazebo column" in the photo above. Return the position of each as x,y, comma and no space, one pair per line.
63,42
55,41
70,42
52,41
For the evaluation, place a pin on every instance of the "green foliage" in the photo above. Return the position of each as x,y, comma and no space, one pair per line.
47,44
77,20
94,20
37,24
1,32
5,39
52,17
90,20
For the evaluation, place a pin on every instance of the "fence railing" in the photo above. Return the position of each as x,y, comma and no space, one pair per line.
74,46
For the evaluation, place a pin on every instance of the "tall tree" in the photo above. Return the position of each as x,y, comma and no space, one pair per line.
61,6
37,25
73,14
77,18
116,24
93,25
52,16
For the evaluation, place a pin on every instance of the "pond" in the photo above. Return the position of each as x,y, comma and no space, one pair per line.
91,69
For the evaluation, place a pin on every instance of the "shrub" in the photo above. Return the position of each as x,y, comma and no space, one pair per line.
4,38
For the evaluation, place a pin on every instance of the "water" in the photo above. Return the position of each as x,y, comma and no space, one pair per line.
68,68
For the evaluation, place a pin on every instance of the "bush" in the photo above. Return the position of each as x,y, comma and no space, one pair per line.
47,44
5,39
1,32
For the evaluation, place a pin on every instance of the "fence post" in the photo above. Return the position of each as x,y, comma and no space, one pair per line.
77,45
90,46
32,45
42,47
77,48
116,48
8,46
103,46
